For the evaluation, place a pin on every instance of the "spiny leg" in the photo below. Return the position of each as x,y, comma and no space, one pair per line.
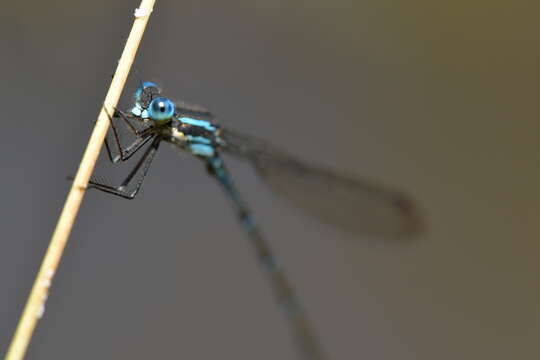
127,152
142,138
300,326
116,139
144,162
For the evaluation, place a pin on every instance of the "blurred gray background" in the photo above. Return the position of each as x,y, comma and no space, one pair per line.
437,99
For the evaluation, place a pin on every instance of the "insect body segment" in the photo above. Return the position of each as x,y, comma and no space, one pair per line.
200,137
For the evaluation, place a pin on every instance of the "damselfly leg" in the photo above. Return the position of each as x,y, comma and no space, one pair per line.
144,162
124,153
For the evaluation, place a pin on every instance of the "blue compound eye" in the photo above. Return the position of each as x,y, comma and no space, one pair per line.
160,109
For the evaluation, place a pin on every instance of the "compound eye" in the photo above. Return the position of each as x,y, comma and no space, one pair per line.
161,109
145,93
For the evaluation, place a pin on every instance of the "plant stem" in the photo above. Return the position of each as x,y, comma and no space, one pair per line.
36,301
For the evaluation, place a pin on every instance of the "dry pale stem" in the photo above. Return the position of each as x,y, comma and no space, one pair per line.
36,302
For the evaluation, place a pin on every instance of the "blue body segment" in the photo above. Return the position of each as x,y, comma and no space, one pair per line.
197,122
202,150
198,140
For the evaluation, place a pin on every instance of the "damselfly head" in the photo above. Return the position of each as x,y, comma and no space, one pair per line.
160,110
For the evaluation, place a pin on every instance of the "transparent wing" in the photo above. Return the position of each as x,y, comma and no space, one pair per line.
186,109
354,205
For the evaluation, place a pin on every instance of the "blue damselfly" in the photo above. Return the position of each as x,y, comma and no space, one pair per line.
357,206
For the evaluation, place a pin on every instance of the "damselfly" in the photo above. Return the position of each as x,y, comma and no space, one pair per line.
357,206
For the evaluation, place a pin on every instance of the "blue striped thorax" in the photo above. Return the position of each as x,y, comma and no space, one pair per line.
199,136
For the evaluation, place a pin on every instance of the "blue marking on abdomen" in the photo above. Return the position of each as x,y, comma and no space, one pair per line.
202,150
198,139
